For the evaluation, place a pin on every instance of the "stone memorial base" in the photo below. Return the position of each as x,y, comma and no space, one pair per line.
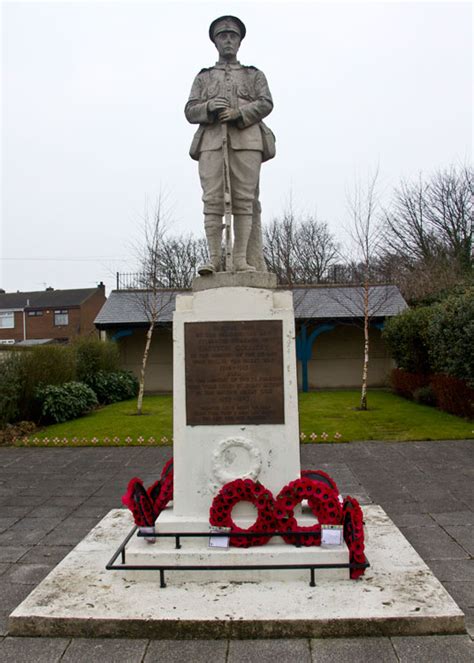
398,595
235,405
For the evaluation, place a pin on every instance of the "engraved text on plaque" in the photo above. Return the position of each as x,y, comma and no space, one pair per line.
234,373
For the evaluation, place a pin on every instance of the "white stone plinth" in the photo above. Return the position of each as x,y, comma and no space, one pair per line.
397,596
206,457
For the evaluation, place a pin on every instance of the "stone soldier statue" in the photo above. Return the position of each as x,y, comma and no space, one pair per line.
229,101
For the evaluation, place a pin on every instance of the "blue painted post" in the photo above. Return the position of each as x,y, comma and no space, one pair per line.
304,348
121,333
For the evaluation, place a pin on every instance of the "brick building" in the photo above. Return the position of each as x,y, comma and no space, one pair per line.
58,315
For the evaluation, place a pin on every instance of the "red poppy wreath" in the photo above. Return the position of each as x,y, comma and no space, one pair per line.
323,502
244,490
354,533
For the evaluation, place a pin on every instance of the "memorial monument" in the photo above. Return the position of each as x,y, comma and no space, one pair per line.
235,447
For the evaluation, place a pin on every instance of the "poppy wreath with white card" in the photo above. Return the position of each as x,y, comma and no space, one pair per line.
323,502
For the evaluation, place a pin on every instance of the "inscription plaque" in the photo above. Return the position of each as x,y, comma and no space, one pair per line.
234,372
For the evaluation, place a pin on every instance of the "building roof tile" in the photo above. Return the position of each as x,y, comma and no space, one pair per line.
129,307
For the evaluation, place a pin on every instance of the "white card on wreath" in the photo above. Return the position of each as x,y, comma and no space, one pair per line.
219,541
331,535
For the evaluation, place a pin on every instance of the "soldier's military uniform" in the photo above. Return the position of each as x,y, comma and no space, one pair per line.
250,142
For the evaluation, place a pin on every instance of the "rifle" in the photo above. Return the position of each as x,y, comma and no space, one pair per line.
227,199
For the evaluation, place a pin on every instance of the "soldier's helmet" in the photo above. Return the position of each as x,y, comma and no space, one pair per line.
227,24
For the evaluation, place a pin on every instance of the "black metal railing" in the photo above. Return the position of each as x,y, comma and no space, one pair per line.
312,567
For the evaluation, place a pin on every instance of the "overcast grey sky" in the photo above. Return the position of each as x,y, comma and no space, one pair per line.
93,123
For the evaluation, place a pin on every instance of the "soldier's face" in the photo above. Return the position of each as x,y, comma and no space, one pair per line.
227,44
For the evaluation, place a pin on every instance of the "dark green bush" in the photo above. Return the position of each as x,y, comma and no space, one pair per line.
425,395
22,372
113,387
48,364
450,334
68,401
93,355
405,335
10,387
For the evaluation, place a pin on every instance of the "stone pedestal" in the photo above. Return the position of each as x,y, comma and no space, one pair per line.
235,394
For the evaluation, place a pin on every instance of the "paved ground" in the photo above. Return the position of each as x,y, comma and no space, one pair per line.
50,498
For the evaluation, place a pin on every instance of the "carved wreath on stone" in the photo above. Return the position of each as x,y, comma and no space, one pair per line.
224,454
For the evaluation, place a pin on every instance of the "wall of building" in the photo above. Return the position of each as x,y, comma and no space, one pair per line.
159,373
89,310
15,333
336,360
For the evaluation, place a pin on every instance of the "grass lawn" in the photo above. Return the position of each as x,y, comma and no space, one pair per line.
329,415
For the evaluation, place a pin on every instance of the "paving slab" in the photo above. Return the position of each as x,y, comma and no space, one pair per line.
27,573
177,651
32,650
435,649
11,554
44,554
463,535
105,650
398,595
453,569
269,651
356,650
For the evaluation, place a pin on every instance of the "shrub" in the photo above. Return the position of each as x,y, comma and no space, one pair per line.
113,387
69,401
405,335
11,432
406,383
10,387
43,365
450,334
22,372
453,395
425,395
93,355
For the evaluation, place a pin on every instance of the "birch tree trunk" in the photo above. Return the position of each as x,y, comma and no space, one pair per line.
141,389
365,368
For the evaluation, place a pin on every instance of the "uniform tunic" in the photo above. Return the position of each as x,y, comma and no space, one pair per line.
246,88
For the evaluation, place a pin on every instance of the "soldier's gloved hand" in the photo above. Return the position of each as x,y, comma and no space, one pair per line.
217,104
229,115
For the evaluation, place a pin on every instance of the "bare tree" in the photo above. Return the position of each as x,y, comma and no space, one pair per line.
363,205
428,232
179,260
150,296
299,250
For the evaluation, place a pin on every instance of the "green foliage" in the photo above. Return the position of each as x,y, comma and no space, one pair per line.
425,395
68,401
113,387
405,335
48,364
10,387
450,334
23,372
93,355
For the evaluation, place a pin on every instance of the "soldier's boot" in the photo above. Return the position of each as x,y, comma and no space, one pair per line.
255,244
242,230
213,228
